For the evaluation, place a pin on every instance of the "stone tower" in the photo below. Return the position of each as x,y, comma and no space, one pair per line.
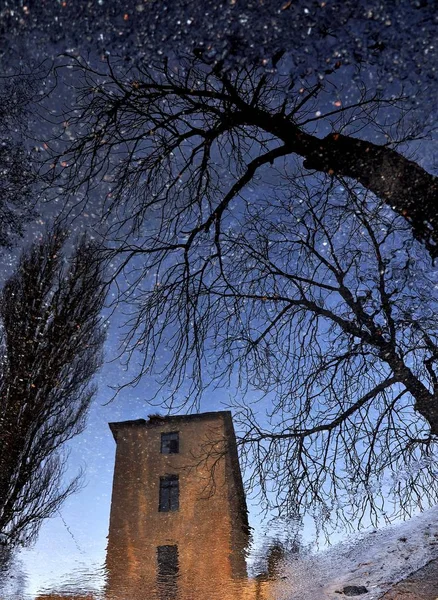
178,524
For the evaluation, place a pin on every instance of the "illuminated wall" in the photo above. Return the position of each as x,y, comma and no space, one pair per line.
178,524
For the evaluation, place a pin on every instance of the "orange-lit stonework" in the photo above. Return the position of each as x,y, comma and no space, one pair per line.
209,528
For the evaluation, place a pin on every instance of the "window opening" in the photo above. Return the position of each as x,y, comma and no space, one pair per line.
169,493
167,571
170,443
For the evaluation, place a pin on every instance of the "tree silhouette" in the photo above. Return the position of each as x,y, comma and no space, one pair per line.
19,92
52,337
175,122
272,243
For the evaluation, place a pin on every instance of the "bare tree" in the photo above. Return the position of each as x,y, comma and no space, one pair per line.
169,125
52,337
301,280
332,315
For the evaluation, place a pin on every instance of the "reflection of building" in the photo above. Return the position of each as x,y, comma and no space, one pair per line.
178,527
66,596
178,524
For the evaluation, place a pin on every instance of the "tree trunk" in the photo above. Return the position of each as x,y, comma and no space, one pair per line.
401,183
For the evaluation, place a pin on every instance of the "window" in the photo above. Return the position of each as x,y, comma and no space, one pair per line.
170,443
167,571
169,493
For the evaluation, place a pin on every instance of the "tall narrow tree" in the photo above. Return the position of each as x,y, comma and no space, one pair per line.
20,94
51,346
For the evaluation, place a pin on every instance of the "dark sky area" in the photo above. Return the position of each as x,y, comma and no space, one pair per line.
390,45
396,34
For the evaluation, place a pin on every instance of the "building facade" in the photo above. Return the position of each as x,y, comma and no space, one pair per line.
178,523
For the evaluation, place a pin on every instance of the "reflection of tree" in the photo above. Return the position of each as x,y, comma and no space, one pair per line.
17,173
13,578
309,287
176,123
278,551
322,303
51,346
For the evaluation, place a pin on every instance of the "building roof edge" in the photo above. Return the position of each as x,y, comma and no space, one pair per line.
156,420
